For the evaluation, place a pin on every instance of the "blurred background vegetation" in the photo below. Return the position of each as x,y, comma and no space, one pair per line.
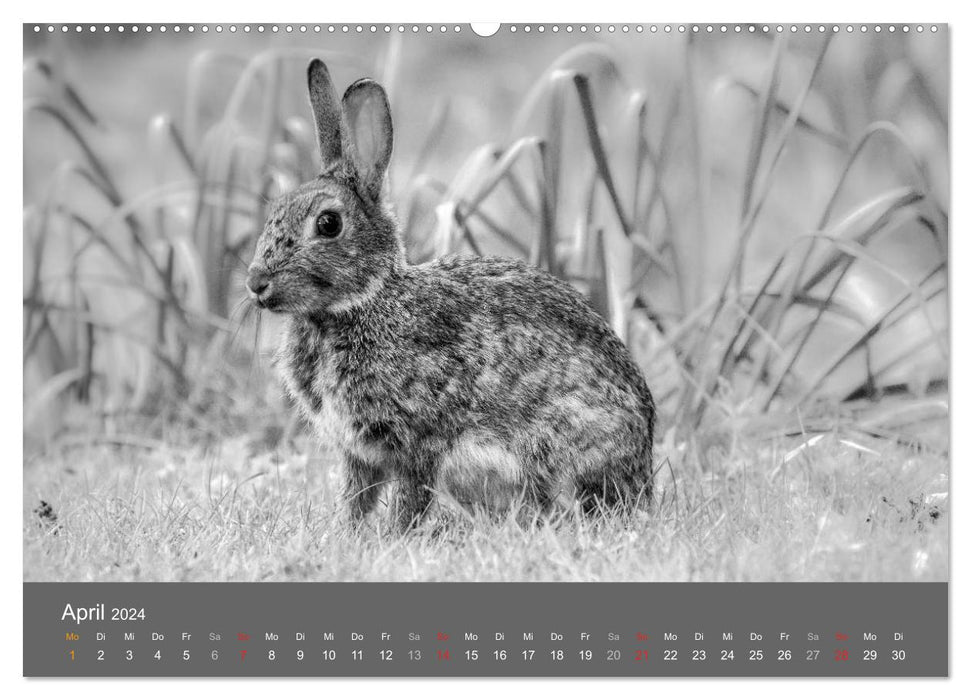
762,216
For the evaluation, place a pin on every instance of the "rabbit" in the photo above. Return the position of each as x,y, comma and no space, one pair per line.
484,378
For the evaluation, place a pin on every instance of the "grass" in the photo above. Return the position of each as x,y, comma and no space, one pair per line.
825,507
764,223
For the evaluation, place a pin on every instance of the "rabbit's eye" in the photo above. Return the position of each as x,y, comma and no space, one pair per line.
329,224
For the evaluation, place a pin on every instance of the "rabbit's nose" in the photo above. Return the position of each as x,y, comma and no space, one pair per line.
258,281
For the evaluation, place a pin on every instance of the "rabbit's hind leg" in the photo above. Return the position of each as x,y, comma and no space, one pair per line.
411,501
612,489
542,456
363,484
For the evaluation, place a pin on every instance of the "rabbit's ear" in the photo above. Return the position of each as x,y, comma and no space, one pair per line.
368,133
327,113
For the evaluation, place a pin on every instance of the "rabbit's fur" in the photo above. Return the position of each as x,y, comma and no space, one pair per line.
482,377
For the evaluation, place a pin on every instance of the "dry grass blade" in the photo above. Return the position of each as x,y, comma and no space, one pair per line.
884,322
602,56
433,137
119,329
766,176
752,201
36,231
598,295
870,217
606,292
462,222
519,192
502,233
70,95
906,354
760,126
851,252
858,252
827,135
860,225
161,132
203,65
658,163
92,159
701,177
896,136
554,152
655,255
49,392
500,171
637,115
872,130
788,370
597,148
758,330
86,360
730,356
547,230
96,237
867,219
390,66
141,251
903,197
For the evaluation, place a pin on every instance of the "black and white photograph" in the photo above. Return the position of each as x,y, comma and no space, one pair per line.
511,303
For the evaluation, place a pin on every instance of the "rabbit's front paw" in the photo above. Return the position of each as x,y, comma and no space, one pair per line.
363,484
409,505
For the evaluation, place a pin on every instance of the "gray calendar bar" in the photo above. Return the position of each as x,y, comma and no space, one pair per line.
485,629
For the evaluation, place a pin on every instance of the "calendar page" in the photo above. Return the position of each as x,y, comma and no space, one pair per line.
486,350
